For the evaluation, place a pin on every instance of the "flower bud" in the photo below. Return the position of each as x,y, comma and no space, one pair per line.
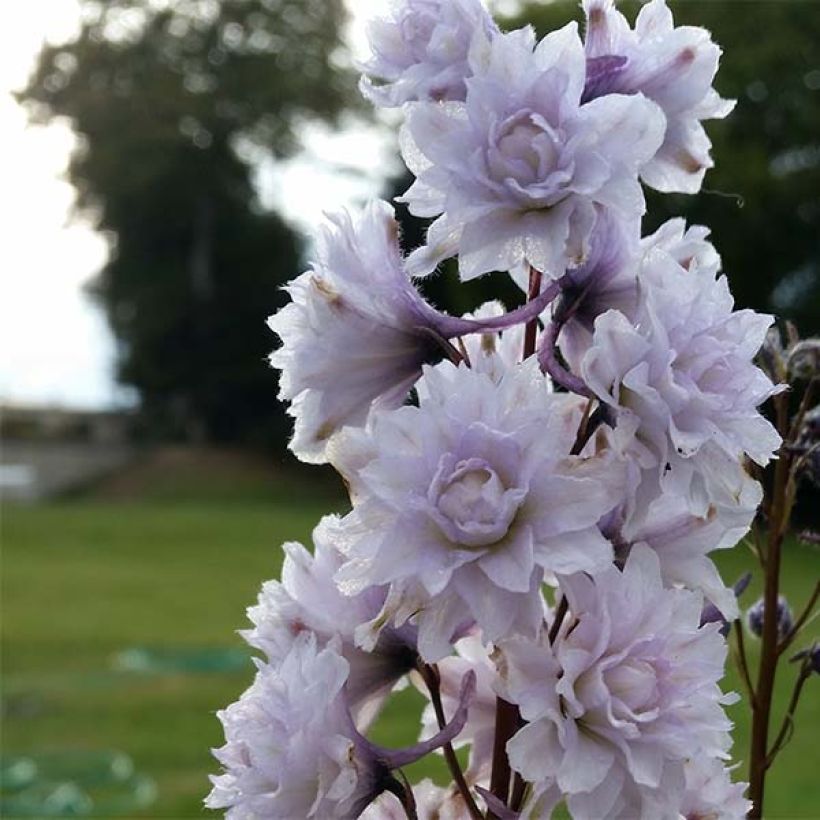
804,359
754,617
807,445
813,655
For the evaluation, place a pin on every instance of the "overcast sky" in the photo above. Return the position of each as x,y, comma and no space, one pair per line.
55,347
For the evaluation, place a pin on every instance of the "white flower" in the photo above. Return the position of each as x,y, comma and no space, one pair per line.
517,169
292,749
711,794
683,381
625,696
462,503
307,599
289,752
356,332
674,67
420,51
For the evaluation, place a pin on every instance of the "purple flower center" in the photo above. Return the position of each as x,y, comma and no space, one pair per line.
470,503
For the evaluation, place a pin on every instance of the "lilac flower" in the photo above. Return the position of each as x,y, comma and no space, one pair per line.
627,694
357,332
293,750
710,793
516,170
308,600
682,541
610,279
674,67
462,503
683,382
420,51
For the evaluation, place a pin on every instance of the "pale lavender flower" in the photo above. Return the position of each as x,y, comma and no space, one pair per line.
682,541
293,750
420,51
515,172
682,378
462,503
625,696
610,279
674,67
308,600
689,247
710,793
356,333
607,280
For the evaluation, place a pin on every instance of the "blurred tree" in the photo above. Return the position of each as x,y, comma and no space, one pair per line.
762,199
174,101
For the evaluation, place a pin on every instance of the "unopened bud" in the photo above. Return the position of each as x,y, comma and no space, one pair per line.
804,359
808,445
754,617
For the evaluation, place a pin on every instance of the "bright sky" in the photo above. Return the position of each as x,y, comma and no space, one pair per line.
55,346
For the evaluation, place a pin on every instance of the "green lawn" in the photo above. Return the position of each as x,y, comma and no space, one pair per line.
84,581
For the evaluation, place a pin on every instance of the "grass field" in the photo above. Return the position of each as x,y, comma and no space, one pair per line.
84,581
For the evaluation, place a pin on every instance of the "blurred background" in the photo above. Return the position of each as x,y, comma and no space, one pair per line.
164,165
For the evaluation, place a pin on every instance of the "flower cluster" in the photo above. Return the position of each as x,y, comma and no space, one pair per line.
535,493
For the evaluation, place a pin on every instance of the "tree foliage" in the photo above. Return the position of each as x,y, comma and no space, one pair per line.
173,102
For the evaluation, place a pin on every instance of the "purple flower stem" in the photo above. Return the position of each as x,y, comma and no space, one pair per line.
450,326
550,364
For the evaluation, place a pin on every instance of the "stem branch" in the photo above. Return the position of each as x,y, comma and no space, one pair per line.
788,721
798,624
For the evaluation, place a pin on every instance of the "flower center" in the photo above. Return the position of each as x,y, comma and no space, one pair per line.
469,502
525,154
634,685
